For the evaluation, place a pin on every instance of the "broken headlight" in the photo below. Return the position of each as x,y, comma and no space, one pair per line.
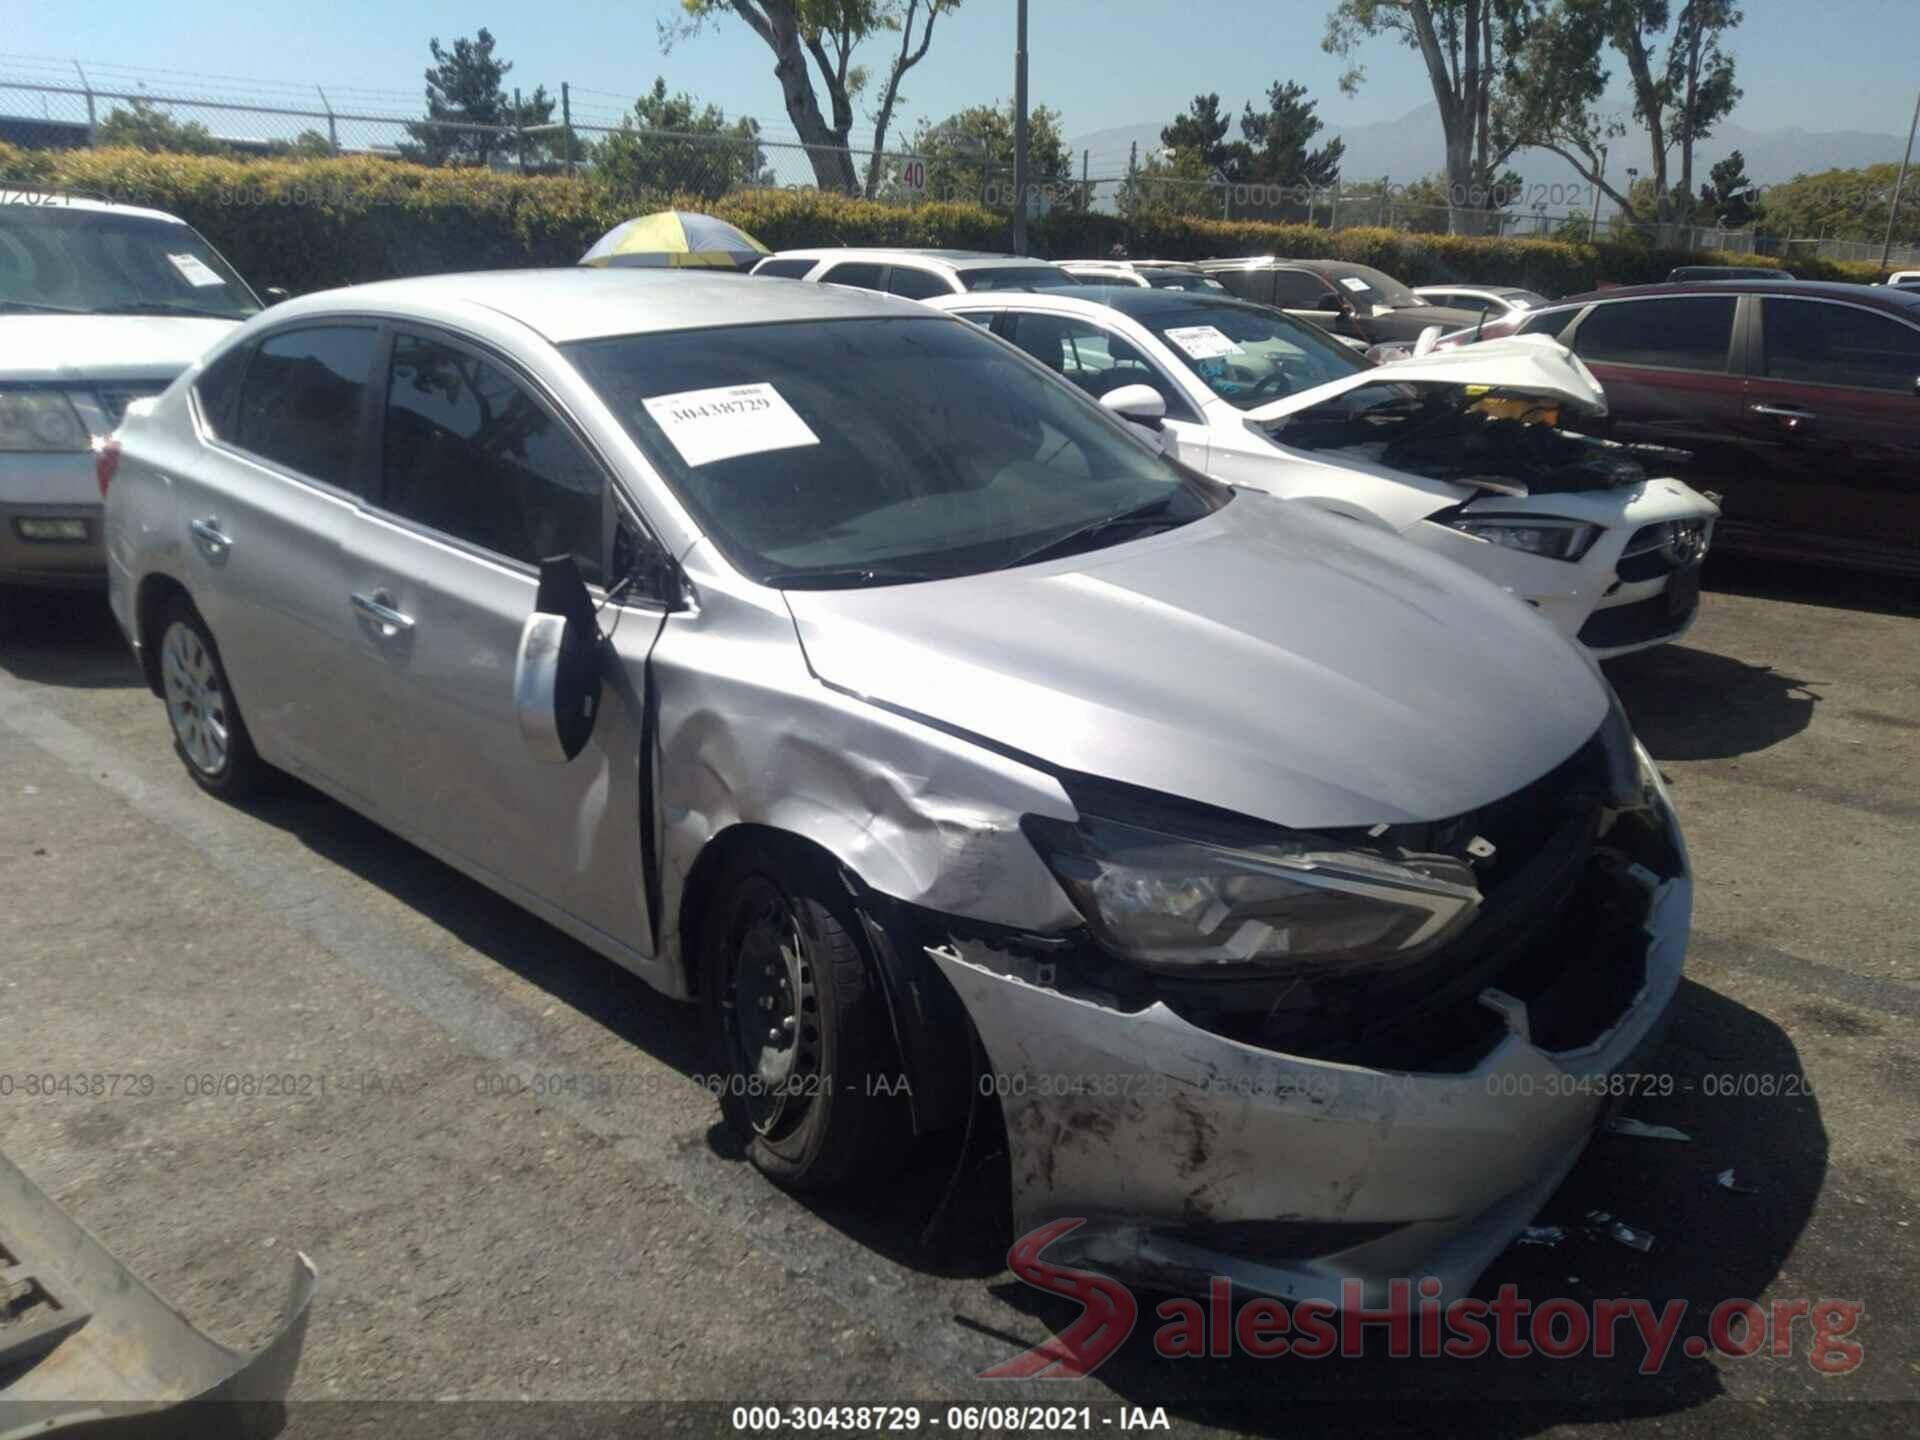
1296,902
1554,539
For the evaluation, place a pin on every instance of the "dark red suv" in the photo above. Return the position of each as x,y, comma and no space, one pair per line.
1799,401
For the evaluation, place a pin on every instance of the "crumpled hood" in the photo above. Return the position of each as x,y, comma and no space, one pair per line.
1269,659
72,348
1517,365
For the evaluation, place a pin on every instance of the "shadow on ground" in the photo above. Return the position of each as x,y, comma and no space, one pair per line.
1689,704
64,637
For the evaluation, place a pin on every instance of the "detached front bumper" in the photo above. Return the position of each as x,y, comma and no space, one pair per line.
1190,1154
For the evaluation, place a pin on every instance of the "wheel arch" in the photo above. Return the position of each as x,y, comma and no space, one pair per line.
150,603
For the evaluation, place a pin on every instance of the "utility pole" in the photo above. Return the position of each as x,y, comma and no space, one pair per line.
1020,130
1598,180
566,122
1893,210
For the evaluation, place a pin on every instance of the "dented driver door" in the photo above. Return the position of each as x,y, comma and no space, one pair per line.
479,476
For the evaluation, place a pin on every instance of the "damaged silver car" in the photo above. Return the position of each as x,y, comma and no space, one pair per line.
829,662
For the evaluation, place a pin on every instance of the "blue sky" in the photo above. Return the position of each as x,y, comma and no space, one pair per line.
1838,64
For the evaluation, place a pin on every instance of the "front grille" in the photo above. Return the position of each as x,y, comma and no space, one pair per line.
116,400
1649,619
1661,548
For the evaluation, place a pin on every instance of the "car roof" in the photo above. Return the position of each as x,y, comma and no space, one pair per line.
63,200
1884,296
1135,301
955,259
582,303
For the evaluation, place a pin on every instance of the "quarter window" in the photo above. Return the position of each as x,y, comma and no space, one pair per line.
1839,345
784,269
218,387
468,451
857,273
916,284
1297,289
1677,334
301,401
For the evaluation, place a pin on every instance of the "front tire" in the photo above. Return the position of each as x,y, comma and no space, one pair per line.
208,734
808,1072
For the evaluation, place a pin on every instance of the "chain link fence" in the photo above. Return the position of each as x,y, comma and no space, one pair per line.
57,104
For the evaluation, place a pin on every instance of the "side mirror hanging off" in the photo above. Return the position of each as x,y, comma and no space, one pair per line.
556,671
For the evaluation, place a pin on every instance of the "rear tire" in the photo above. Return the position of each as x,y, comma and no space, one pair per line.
208,734
808,1073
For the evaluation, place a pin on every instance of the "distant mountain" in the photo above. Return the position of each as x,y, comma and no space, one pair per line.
1408,148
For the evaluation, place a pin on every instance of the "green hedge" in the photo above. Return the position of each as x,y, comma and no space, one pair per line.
310,224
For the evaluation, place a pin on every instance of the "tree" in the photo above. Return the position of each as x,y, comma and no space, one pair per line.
307,145
1277,138
1201,132
1462,43
1843,204
973,146
673,144
145,126
828,32
1680,75
1731,197
1172,182
464,88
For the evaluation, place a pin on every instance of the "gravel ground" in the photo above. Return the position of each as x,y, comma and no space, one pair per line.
478,1242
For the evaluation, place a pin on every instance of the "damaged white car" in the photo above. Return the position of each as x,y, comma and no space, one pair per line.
1459,452
1287,892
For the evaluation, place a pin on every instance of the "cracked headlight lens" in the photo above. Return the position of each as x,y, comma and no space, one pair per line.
1299,903
40,420
1554,539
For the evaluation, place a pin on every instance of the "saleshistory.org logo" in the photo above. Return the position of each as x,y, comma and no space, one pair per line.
1463,1329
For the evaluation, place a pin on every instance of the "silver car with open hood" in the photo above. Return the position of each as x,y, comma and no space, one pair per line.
826,661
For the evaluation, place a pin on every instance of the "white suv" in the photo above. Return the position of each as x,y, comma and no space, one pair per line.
100,305
916,274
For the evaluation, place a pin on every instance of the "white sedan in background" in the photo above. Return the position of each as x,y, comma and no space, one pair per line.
1458,451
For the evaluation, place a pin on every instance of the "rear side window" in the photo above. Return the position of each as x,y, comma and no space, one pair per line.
468,451
1677,334
916,284
1839,345
218,388
1547,322
1297,289
784,269
858,273
301,399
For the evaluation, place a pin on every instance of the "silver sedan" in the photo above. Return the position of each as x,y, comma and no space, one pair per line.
1282,890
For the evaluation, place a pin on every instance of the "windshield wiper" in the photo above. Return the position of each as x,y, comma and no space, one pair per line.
45,309
169,307
1151,513
844,577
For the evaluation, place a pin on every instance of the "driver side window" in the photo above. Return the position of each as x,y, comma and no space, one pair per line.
468,450
1095,359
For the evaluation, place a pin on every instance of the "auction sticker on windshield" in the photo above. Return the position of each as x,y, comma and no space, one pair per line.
729,420
1203,342
1353,282
195,271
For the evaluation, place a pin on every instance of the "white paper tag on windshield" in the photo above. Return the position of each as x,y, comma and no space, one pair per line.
729,420
1354,283
195,271
1203,342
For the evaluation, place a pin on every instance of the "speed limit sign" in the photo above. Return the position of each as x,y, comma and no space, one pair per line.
913,174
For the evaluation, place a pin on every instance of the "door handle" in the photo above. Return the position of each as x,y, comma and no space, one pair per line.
212,538
378,607
1788,413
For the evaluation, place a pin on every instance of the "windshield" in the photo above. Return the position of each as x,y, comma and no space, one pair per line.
1017,277
1249,355
828,454
54,256
1364,285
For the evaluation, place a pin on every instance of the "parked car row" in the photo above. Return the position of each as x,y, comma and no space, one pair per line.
1473,458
